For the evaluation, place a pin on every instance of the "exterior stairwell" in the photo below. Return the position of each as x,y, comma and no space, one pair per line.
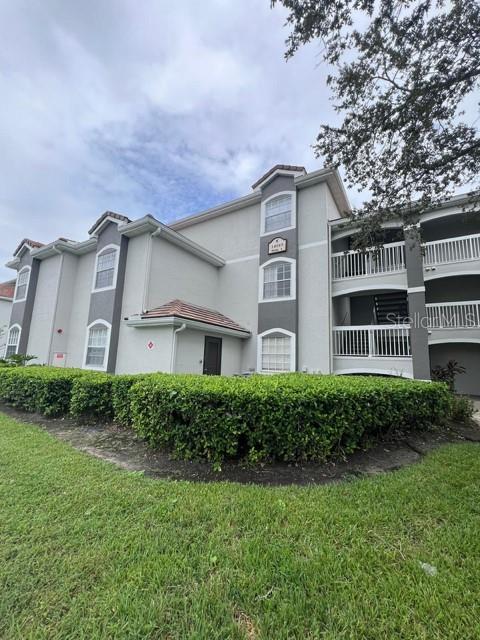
391,308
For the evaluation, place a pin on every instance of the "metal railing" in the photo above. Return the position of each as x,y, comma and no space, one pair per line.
451,250
353,264
453,315
372,341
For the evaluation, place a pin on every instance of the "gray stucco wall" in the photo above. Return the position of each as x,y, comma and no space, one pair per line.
453,289
280,314
468,355
22,311
416,305
106,305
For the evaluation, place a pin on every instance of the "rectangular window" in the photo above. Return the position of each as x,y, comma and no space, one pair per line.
276,353
105,269
277,280
22,284
278,213
97,346
12,342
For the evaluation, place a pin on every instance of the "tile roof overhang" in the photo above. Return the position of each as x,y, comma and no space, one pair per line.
279,169
105,218
7,290
178,312
29,244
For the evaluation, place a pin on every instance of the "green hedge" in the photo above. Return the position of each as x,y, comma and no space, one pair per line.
121,408
289,417
92,397
45,390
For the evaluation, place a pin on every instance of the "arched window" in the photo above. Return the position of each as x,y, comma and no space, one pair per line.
106,268
13,340
276,351
278,212
21,287
277,280
98,342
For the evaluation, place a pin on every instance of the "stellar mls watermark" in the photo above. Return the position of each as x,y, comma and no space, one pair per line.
439,320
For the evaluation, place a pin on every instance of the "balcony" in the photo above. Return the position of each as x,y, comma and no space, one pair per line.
454,321
452,256
353,270
382,349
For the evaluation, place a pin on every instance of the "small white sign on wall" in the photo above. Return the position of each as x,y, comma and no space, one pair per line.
277,245
150,345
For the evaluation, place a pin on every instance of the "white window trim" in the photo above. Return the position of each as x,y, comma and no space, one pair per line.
285,332
293,281
14,326
107,348
263,209
115,268
15,299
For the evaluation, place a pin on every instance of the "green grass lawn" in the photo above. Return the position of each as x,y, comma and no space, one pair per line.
90,551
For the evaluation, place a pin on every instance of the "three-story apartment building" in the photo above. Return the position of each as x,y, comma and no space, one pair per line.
266,283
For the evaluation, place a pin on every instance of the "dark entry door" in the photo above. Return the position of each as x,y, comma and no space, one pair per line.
212,357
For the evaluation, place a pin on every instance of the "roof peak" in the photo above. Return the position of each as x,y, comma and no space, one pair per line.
279,168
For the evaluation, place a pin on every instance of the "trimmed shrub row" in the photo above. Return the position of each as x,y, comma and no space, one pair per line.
51,391
284,417
292,417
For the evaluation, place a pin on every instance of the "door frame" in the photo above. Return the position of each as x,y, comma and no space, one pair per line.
218,341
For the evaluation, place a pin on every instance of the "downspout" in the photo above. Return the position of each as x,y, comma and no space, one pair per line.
174,346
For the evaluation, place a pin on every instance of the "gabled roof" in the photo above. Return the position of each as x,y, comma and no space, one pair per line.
32,244
279,168
187,311
7,289
104,217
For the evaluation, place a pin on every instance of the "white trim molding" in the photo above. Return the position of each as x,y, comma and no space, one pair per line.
116,247
29,269
283,332
14,326
293,218
416,290
310,245
107,346
293,280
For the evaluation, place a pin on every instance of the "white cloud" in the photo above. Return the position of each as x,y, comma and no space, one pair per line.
149,106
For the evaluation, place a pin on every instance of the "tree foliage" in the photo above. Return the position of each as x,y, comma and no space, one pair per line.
402,73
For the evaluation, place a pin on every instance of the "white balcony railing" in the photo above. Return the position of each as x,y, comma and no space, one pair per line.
372,341
353,264
450,250
454,315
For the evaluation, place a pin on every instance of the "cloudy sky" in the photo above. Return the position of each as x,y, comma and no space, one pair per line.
144,107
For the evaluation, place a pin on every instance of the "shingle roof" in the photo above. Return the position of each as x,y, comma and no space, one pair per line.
31,243
277,167
187,311
7,289
108,214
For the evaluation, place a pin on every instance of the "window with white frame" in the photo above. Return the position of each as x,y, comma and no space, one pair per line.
97,346
277,280
12,341
106,267
276,353
278,213
22,284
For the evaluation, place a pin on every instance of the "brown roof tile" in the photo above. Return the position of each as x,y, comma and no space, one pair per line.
187,311
31,243
108,214
277,167
7,289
